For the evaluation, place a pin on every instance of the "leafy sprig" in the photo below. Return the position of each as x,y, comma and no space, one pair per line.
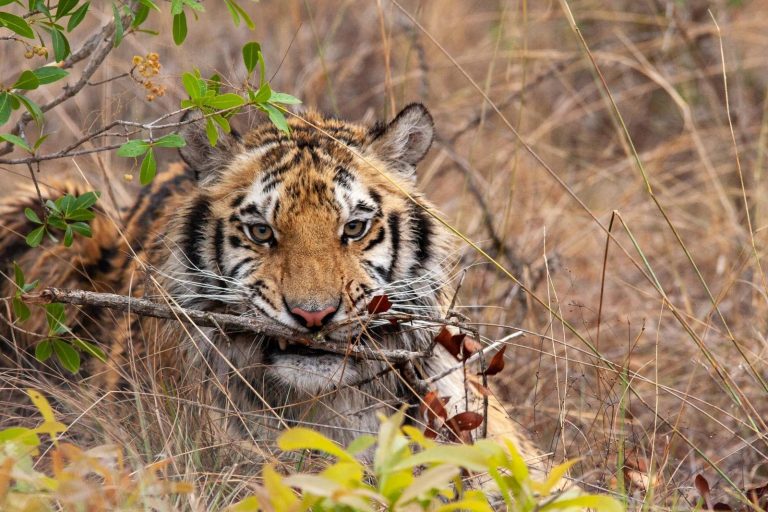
68,213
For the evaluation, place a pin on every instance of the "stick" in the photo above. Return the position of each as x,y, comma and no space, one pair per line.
148,308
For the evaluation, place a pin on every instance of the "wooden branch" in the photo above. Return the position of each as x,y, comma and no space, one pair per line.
148,308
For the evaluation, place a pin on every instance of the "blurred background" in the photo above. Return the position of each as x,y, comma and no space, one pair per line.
659,370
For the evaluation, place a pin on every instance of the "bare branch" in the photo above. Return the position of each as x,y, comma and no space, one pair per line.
148,308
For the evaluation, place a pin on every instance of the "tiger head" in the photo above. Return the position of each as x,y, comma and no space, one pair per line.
304,229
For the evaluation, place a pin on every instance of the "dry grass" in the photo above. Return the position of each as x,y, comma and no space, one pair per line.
683,319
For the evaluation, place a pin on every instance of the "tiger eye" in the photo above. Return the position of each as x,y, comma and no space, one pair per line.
355,228
259,233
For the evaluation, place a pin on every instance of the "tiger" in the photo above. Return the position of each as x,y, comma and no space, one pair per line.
300,230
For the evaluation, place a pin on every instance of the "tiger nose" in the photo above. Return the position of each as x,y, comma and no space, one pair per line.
312,319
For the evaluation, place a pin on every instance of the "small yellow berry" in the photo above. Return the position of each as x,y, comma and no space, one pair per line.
137,60
128,177
29,54
150,97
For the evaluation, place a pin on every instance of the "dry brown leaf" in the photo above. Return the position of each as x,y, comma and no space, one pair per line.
379,304
497,362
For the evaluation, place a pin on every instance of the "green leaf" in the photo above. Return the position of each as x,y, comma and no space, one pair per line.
90,348
18,276
67,355
300,438
27,81
20,310
63,8
32,108
5,107
211,132
81,228
150,4
133,148
68,237
277,117
141,16
222,122
195,87
179,28
148,168
36,236
56,316
78,16
285,99
225,101
86,200
43,350
32,215
39,141
49,74
172,140
22,435
238,12
262,95
360,444
83,214
251,56
60,45
119,30
16,141
17,24
177,7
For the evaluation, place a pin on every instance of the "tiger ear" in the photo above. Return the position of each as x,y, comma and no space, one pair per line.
205,160
406,139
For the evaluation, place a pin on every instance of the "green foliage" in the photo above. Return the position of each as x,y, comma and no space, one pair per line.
60,340
411,472
68,213
73,479
21,310
137,148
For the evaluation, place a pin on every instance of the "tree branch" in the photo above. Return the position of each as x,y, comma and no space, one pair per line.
148,308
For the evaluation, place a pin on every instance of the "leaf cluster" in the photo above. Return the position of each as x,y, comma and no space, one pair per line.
413,473
74,479
68,213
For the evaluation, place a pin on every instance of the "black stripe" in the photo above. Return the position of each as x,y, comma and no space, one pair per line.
376,197
218,244
239,265
422,230
343,177
381,271
376,240
237,201
394,232
197,221
235,241
250,209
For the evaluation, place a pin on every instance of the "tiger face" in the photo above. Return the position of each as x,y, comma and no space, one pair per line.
304,230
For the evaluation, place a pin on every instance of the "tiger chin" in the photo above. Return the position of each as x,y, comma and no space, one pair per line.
299,230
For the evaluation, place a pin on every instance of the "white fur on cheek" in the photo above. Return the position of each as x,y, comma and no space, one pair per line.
313,374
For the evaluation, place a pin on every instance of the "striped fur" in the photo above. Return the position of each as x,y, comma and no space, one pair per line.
189,240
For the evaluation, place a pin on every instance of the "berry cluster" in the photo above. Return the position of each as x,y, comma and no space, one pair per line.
148,67
40,51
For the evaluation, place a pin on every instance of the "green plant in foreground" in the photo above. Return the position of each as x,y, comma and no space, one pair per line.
74,479
411,472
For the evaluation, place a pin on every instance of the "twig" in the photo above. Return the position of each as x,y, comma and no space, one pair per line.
97,47
148,308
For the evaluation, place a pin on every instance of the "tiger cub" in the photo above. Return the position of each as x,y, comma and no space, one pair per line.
300,230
